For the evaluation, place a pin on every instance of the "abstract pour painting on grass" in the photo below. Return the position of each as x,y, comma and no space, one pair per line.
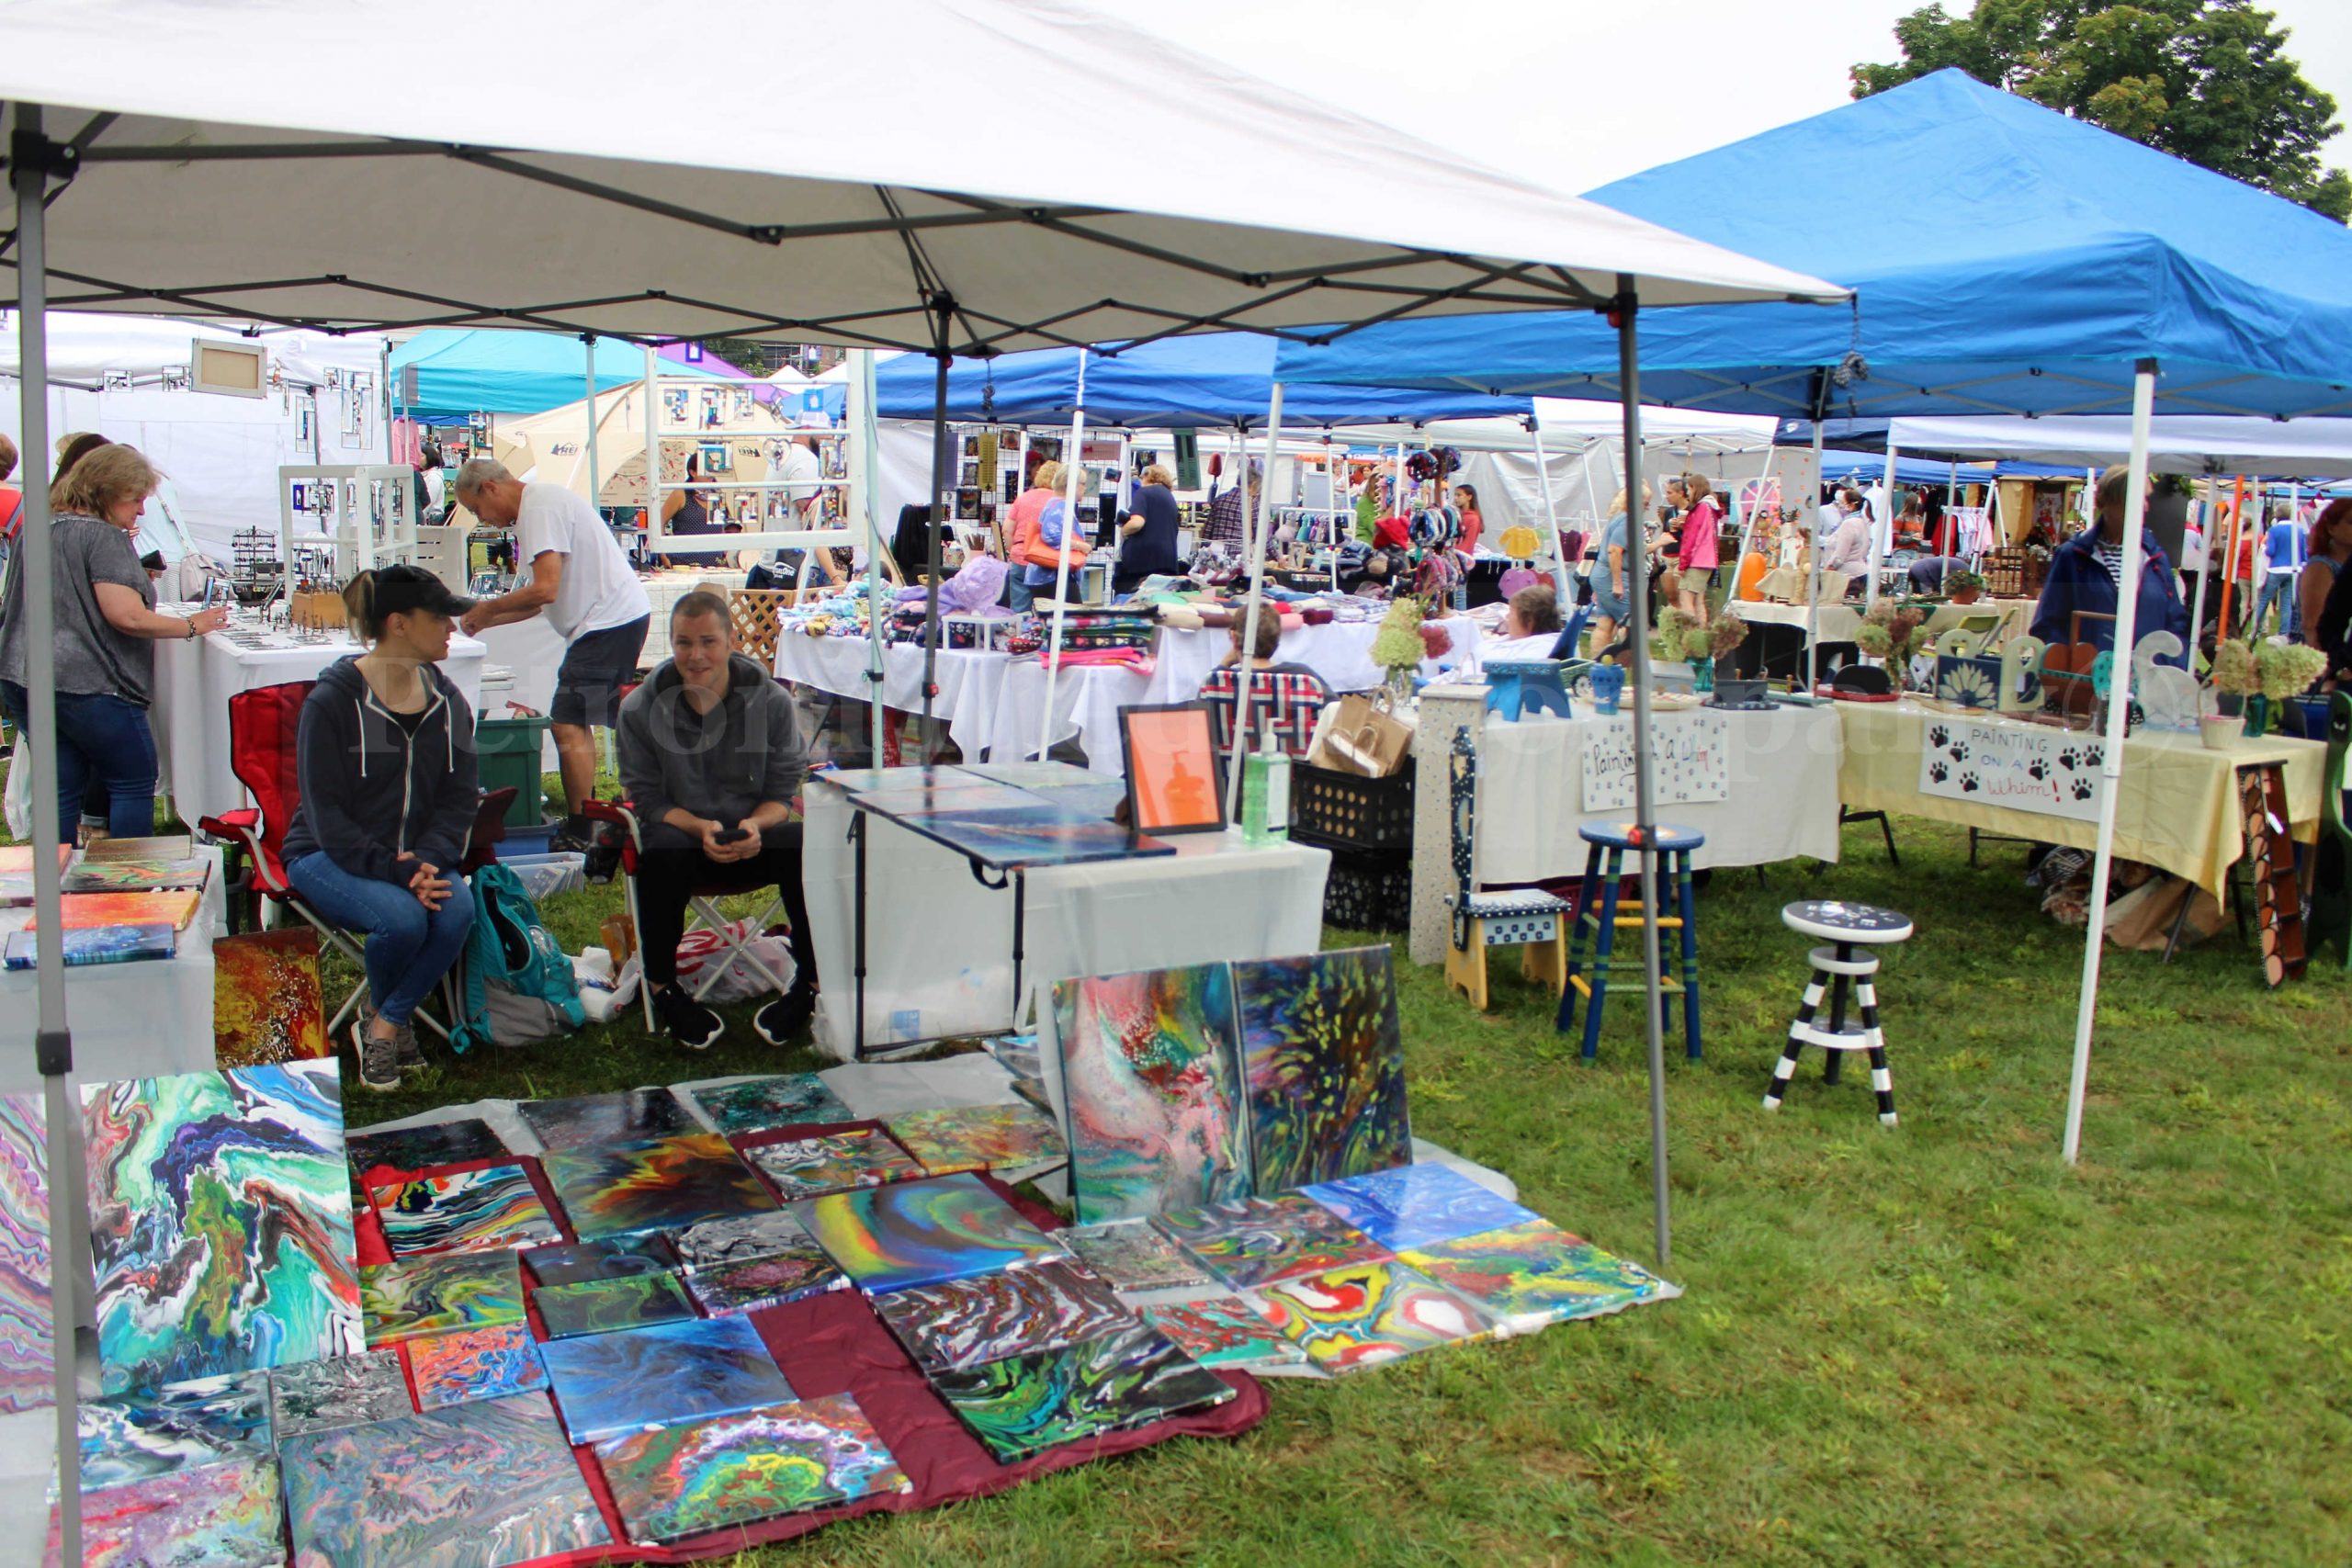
705,1475
1024,1405
494,1209
240,1176
28,1373
1152,1079
1324,1059
670,1184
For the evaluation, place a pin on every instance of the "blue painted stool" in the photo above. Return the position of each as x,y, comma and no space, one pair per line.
1604,872
1515,687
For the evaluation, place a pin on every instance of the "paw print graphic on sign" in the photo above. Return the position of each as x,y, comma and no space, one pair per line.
2039,769
1959,751
2095,756
1938,772
1968,781
2083,788
2069,760
1939,738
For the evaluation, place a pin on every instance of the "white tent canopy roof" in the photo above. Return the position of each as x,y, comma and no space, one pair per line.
82,347
2177,443
493,193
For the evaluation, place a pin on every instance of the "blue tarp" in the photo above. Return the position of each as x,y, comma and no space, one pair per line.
462,373
2005,259
1212,381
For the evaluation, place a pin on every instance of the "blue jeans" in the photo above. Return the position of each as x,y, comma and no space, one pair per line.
2280,587
103,744
409,949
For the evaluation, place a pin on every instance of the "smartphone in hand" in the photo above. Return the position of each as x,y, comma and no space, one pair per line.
730,835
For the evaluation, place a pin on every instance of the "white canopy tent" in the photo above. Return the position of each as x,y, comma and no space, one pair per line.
159,178
2177,443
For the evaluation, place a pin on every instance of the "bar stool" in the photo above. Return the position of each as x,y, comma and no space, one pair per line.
1841,967
1604,872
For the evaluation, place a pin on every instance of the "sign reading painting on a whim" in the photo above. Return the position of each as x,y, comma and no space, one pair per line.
2020,767
1688,762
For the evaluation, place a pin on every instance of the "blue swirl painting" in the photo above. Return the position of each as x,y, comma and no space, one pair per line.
220,1223
611,1383
1415,1204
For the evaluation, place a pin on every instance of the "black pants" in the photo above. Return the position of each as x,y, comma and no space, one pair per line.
667,877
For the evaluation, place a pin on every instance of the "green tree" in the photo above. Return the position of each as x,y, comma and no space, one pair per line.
2205,80
742,353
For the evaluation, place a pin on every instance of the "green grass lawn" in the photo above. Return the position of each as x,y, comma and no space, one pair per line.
1933,1345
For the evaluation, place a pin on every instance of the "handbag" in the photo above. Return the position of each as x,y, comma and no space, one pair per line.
1363,737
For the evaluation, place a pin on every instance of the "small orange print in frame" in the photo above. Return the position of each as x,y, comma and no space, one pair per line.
1173,772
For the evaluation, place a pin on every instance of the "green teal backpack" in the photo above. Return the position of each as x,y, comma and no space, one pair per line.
516,981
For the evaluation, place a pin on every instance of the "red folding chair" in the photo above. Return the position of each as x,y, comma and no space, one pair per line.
263,724
1289,700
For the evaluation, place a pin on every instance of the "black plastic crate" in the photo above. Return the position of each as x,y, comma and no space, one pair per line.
1351,812
1366,892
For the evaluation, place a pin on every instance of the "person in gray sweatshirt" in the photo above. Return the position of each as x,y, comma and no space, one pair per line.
710,759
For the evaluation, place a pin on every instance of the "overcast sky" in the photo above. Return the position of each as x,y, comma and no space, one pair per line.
1576,94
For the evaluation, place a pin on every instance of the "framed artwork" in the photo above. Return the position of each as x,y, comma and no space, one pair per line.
717,457
1174,784
266,1001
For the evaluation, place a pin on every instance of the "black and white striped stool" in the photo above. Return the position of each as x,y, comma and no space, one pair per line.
1841,967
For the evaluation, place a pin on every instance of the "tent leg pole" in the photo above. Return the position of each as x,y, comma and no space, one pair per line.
1257,601
1073,464
2127,615
1813,596
1644,819
1882,525
865,438
29,165
2204,573
655,533
943,507
1551,513
595,491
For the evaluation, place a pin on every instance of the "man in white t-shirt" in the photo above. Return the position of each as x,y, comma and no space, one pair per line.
801,473
572,569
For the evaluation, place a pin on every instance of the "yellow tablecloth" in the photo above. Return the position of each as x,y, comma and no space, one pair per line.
2179,808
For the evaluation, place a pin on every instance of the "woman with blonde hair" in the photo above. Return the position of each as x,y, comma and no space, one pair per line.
1147,534
1021,524
1613,585
107,625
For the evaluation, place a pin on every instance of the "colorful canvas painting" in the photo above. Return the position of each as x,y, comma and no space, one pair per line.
17,872
715,1243
135,876
83,910
707,1476
625,1189
408,1150
918,1233
221,1515
1324,1063
788,1099
763,1282
979,1138
472,1486
574,1263
1224,1331
611,1384
1347,1319
220,1223
1152,1079
1413,1204
94,944
1261,1239
1012,1312
435,1295
265,999
161,846
1037,835
1529,1275
834,1162
1025,1405
638,1116
476,1365
494,1209
27,1374
606,1306
349,1391
1133,1255
128,1437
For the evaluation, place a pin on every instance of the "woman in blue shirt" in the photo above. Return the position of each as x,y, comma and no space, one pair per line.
1053,525
2083,575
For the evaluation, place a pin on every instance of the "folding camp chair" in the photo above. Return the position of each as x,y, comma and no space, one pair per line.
263,724
1290,702
702,913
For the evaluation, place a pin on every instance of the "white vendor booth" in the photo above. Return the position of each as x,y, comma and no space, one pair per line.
1762,786
939,945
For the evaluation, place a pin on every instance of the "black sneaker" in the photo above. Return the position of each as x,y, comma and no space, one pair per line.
573,835
782,1020
604,851
685,1020
379,1066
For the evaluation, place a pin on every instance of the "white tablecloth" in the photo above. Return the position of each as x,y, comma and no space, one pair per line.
194,680
1784,800
939,946
994,704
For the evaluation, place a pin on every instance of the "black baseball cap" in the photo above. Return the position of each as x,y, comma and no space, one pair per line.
402,589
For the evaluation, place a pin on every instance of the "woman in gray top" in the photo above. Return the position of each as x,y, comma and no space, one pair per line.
105,626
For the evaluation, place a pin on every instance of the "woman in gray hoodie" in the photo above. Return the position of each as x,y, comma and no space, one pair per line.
386,761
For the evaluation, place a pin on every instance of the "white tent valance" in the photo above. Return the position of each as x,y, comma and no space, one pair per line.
2177,443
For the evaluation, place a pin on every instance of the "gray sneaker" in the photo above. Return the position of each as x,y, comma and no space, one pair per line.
379,1066
404,1046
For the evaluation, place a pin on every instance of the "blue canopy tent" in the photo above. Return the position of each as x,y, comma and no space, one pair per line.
462,373
1216,382
2060,269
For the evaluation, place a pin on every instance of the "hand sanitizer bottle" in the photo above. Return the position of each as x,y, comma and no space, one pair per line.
1265,792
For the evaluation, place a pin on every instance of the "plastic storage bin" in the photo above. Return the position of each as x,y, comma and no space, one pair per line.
507,751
